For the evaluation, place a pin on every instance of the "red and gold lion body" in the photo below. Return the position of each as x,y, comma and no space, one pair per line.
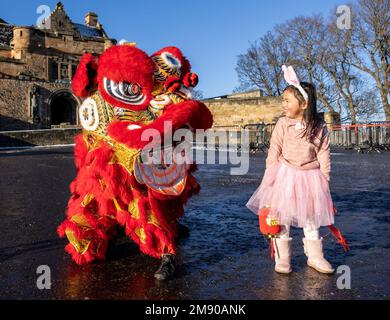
127,92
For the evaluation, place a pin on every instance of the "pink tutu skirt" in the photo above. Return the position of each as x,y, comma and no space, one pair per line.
299,198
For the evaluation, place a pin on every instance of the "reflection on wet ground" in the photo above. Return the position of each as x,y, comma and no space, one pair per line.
223,258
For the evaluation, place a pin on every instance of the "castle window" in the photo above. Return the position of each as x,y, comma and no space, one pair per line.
64,71
53,75
21,33
74,68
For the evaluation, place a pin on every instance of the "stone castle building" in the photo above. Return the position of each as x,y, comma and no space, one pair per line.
36,68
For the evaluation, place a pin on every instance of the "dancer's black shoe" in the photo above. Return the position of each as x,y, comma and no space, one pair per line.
167,267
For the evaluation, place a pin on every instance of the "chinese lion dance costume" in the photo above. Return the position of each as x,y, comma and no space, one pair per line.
127,94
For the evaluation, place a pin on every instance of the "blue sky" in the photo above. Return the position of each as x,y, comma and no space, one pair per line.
211,33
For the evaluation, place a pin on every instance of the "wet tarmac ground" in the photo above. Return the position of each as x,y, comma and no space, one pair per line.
225,257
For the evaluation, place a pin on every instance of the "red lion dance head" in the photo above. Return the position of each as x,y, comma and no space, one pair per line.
123,74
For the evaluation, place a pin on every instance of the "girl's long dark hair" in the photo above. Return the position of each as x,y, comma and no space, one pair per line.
311,117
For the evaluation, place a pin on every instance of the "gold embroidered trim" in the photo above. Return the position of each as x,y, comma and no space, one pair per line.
140,232
87,199
81,246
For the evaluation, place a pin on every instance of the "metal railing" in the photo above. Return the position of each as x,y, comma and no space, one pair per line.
363,137
259,135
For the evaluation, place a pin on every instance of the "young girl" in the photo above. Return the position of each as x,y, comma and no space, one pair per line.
295,185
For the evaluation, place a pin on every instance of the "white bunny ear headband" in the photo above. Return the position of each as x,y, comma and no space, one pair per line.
291,78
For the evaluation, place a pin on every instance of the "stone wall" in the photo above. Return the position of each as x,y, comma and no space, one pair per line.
5,52
35,66
10,66
248,94
15,103
239,112
37,137
68,44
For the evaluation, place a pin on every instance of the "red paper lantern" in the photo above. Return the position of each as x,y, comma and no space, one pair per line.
268,226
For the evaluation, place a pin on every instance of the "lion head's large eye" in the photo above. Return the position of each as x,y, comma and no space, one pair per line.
133,89
126,92
166,65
